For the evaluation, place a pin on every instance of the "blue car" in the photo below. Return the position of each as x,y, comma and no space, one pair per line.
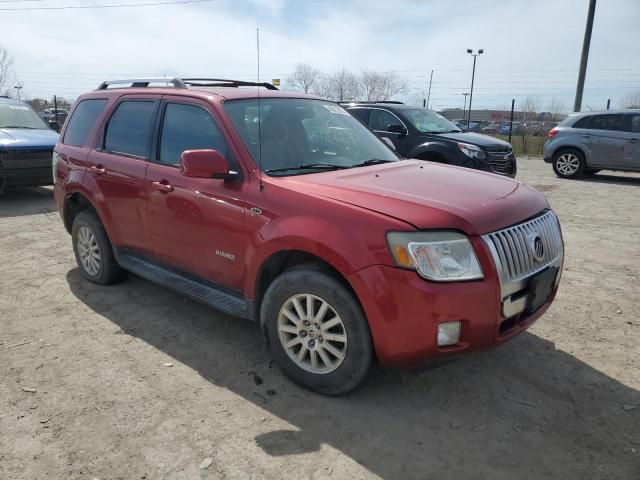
26,146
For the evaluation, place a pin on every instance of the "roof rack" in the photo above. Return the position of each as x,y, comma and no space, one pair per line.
346,102
184,82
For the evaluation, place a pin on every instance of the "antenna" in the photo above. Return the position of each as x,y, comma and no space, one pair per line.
260,184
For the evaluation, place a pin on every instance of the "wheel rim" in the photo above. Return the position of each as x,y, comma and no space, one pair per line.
567,164
312,333
89,251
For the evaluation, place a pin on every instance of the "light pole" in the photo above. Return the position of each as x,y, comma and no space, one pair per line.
474,55
464,109
18,88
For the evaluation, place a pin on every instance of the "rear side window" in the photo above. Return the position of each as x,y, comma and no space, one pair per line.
82,121
188,127
129,129
612,122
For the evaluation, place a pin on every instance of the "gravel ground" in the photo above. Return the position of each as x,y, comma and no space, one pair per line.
134,381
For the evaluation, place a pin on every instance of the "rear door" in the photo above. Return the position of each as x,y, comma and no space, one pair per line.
196,224
632,144
604,138
118,167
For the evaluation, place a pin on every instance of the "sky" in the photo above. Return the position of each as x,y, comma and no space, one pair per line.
531,47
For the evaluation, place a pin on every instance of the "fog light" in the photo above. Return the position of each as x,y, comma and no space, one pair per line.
448,333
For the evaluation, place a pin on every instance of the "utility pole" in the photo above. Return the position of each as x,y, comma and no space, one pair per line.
577,106
473,75
464,109
429,93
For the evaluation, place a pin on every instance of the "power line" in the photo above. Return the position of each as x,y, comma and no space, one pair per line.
122,5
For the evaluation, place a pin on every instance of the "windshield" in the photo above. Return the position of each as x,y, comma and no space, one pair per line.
20,116
301,136
428,121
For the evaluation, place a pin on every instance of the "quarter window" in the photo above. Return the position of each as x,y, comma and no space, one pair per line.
129,129
82,121
188,127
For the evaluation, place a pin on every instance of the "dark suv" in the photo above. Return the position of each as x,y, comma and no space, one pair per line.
424,134
283,208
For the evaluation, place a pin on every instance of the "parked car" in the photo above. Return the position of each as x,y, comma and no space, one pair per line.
586,143
491,129
422,133
283,208
26,146
516,129
54,121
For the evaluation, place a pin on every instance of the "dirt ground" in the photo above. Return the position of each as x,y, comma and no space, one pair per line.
134,381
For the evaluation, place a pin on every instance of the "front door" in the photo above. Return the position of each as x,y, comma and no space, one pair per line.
196,224
380,120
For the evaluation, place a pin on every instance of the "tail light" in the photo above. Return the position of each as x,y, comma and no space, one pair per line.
552,132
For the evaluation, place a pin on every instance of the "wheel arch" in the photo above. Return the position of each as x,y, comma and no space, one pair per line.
74,203
431,151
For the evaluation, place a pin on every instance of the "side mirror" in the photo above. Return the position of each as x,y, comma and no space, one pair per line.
205,164
397,128
388,142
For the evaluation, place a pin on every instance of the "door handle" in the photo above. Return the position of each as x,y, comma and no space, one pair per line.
163,186
98,169
585,136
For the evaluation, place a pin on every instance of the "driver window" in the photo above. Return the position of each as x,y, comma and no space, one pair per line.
381,119
188,127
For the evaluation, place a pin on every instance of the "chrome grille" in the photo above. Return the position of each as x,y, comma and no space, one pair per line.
514,249
502,162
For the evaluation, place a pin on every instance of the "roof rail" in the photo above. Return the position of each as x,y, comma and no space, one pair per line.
347,102
183,82
142,82
223,82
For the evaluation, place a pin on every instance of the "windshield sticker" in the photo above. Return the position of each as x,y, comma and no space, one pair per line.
336,109
18,107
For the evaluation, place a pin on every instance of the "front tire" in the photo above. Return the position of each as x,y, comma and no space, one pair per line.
93,250
316,331
568,163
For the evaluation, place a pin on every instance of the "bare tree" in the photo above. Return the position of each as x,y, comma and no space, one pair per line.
304,77
631,100
7,74
530,106
381,86
556,107
340,86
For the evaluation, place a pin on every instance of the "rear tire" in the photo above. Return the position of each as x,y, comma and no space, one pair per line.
568,163
316,331
93,250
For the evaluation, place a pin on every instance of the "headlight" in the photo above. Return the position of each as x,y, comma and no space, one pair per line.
471,151
443,256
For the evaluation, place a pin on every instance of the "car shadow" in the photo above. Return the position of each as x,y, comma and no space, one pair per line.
607,178
26,201
525,410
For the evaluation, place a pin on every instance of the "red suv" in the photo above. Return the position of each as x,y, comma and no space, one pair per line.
283,208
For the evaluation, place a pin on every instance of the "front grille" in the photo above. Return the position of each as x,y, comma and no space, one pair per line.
502,163
514,248
24,159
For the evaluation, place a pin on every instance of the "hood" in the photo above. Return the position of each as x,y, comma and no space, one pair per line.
27,139
429,195
475,139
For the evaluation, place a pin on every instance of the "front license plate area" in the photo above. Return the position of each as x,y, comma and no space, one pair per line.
540,289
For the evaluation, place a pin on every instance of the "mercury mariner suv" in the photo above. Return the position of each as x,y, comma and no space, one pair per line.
285,209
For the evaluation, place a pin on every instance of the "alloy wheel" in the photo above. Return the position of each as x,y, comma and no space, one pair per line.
567,164
312,333
88,251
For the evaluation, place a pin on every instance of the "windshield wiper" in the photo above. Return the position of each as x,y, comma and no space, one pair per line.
307,166
373,161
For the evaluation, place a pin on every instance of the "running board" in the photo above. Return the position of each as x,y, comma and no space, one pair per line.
200,291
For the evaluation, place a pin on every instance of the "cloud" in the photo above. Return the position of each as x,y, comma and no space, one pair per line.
530,47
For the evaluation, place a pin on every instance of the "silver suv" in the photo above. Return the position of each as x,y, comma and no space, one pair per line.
586,143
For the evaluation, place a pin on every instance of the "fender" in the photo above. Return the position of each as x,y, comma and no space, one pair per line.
431,147
295,233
